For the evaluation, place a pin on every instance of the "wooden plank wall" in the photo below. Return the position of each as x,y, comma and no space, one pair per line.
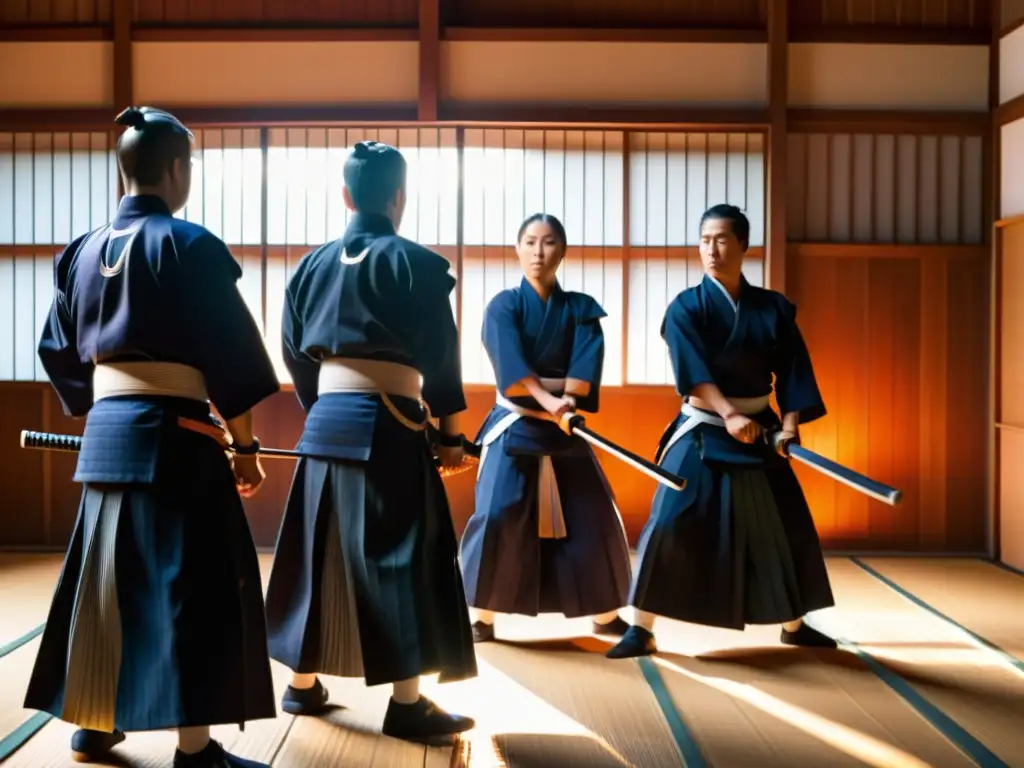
1008,318
887,217
897,330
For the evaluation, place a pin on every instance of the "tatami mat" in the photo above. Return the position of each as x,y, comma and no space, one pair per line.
547,697
980,596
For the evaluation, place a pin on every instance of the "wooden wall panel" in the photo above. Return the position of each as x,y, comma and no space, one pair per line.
912,355
257,73
56,74
898,77
1011,498
907,14
885,188
400,13
604,13
1010,411
34,12
1010,11
598,74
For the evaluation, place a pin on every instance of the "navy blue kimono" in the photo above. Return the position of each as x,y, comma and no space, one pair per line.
160,515
507,566
738,545
366,580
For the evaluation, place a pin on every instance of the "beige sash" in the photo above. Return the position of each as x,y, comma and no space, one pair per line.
349,374
148,377
697,411
550,519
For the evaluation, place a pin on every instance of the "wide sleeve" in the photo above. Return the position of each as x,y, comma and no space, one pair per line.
586,362
224,336
796,387
437,336
502,336
58,349
304,370
686,348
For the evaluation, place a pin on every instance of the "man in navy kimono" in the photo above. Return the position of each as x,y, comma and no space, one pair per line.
366,581
157,620
738,545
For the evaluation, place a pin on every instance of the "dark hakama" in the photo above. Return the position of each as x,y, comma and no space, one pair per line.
157,619
507,566
366,580
738,545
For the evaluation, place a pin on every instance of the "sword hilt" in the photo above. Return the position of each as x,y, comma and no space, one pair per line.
49,441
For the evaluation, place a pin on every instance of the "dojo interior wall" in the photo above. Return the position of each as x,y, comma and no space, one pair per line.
1009,315
887,225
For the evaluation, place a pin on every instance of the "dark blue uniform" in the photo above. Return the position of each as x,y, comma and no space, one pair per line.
738,545
366,579
508,568
161,535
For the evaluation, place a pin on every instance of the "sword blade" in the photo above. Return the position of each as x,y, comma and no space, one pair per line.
649,468
876,490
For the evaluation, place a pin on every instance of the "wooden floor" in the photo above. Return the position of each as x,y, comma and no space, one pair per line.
930,673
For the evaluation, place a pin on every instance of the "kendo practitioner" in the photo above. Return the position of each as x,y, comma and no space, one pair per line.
545,536
366,581
157,619
738,546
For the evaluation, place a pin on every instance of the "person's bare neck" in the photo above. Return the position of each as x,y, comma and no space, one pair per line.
543,287
135,189
730,283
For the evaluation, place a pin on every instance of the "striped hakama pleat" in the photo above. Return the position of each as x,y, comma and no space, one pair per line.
157,620
365,581
95,643
340,649
580,568
764,565
737,546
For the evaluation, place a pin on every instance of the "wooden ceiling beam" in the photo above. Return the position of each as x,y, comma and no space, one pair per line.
530,115
149,33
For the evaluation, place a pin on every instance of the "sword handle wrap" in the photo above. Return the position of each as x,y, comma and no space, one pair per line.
50,441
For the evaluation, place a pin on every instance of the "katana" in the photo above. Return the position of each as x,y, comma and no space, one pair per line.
576,425
876,490
52,441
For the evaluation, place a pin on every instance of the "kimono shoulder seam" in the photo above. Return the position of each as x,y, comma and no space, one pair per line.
506,298
412,247
65,258
295,287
